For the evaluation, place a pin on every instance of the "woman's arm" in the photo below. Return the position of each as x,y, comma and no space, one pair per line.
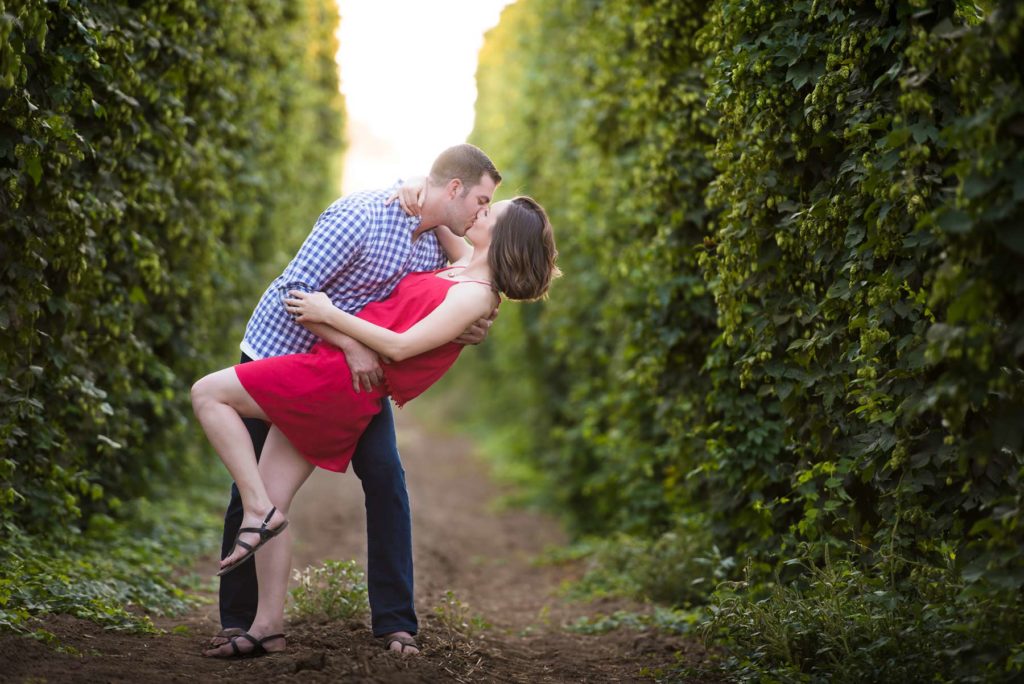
410,195
457,249
329,334
464,303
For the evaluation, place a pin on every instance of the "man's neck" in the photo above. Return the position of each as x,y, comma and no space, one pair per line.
429,218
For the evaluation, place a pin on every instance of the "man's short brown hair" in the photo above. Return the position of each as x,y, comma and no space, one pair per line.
466,162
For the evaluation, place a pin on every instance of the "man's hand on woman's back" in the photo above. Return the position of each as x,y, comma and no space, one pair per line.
477,333
364,364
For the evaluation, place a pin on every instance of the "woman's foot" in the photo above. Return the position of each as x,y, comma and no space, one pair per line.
255,531
248,645
401,642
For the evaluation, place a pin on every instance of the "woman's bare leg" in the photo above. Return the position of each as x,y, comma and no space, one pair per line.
220,402
284,470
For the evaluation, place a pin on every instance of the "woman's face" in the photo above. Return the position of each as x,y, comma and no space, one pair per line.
480,232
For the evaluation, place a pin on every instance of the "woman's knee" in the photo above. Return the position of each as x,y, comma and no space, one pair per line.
204,392
199,393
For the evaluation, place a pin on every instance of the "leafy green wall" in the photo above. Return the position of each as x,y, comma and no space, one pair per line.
156,159
793,249
866,263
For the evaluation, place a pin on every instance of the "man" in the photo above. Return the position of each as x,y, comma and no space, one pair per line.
359,249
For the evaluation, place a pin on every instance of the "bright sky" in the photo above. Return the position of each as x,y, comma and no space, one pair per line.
408,71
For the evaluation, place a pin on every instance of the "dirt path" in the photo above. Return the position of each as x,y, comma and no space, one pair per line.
460,544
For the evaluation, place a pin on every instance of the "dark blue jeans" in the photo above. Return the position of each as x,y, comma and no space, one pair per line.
388,533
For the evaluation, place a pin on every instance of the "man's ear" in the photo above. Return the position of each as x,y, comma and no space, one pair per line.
453,187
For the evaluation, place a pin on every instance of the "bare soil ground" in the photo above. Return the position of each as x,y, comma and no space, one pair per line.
461,543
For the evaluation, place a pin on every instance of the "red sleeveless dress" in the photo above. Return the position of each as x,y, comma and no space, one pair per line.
309,397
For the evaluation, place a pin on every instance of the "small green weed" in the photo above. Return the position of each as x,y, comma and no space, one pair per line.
670,620
334,591
44,635
454,618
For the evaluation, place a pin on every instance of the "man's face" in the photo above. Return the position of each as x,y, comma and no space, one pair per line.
464,207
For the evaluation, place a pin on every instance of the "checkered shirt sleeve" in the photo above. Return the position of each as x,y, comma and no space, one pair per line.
329,249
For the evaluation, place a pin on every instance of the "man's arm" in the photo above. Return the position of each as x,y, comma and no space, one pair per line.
362,361
330,248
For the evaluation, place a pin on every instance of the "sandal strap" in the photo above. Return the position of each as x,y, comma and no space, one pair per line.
262,530
244,635
266,521
271,638
265,536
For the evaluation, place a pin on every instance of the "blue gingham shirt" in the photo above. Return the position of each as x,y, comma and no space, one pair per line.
357,252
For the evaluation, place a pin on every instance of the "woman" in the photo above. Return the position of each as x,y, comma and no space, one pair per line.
316,414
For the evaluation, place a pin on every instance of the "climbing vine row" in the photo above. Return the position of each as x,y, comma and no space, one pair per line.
791,317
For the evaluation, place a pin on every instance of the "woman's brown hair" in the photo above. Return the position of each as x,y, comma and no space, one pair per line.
522,252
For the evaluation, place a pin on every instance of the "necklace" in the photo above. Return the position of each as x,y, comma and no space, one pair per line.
453,275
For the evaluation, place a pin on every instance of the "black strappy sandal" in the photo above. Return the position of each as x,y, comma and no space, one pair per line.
265,536
258,649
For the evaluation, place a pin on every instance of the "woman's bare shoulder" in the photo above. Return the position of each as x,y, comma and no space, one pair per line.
476,294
